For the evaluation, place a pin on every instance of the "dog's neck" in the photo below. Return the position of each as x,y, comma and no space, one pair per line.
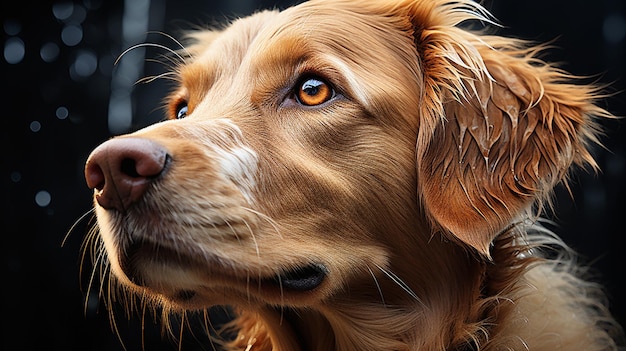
309,330
343,329
383,317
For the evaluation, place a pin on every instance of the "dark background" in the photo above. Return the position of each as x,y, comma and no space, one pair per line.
60,84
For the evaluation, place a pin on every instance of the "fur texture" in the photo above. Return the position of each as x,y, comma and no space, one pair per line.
358,176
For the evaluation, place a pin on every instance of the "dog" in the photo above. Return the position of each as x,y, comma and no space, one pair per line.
362,175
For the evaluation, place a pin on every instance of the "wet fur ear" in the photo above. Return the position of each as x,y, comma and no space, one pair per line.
498,127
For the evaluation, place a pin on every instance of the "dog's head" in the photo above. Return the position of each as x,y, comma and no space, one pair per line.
311,150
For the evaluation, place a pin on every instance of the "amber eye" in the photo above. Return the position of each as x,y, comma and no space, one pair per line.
313,92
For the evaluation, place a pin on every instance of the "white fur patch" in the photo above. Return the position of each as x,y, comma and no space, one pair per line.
238,163
356,88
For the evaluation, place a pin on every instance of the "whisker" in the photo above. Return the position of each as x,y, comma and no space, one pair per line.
209,328
229,226
380,291
80,219
267,218
166,61
150,79
256,244
183,319
141,45
92,278
112,320
400,283
176,41
143,329
89,245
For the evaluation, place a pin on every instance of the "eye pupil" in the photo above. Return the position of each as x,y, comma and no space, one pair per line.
314,92
181,111
312,87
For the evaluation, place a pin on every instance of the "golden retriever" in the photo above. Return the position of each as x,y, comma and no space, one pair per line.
358,175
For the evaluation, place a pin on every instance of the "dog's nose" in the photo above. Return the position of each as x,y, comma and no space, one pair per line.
120,170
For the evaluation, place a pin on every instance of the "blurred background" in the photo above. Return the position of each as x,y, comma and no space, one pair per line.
63,95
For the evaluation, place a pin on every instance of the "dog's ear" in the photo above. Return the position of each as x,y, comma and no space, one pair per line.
498,127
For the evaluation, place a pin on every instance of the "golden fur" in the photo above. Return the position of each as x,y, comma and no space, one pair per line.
400,214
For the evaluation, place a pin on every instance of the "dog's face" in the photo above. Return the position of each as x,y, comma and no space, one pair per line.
278,140
312,150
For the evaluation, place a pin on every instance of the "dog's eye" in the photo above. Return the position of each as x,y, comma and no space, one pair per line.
181,110
313,92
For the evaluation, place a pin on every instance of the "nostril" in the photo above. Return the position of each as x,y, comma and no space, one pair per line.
94,176
128,166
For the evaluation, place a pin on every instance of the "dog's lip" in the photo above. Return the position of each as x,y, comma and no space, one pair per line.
300,279
303,278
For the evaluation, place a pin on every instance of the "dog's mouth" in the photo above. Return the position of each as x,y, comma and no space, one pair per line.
305,278
301,279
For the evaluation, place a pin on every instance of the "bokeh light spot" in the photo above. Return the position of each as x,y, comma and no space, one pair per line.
79,15
62,10
14,50
35,126
614,28
16,176
12,27
84,65
62,112
72,34
49,52
43,198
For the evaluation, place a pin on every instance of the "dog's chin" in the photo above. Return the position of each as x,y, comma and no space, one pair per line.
183,281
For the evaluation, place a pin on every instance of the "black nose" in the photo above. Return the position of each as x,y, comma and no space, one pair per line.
121,169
